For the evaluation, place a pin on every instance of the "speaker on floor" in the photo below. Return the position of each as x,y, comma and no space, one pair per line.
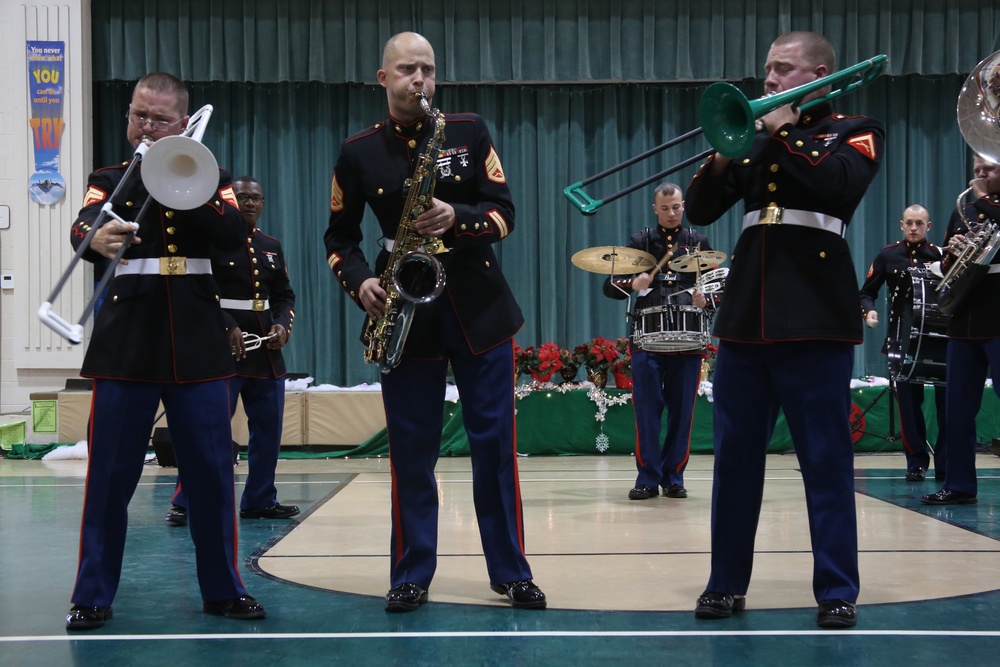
164,449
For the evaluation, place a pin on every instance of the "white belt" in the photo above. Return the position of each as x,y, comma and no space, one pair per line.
994,268
164,266
256,305
776,215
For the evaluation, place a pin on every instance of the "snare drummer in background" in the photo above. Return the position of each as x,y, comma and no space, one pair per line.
663,379
889,266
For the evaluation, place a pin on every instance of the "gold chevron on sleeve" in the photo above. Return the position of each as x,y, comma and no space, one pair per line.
336,196
494,170
499,221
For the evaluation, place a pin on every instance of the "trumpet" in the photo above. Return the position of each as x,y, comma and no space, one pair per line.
179,172
252,341
728,120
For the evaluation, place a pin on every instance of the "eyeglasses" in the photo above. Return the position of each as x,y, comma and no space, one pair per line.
256,199
141,120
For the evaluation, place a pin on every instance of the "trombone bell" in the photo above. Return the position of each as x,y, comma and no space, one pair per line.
180,172
729,118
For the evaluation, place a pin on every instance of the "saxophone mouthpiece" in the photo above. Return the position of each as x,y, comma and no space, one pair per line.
422,98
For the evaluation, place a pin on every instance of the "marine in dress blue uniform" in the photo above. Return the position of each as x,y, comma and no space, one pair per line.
663,380
891,268
787,328
257,299
159,336
471,324
973,348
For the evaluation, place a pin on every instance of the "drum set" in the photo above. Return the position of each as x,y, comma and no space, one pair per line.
669,327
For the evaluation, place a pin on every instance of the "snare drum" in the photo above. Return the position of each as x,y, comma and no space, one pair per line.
671,328
917,341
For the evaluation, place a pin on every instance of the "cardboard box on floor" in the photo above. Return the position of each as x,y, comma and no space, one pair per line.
311,418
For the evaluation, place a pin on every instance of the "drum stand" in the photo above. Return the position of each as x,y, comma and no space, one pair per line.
856,424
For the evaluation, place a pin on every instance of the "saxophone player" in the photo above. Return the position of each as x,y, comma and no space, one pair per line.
471,325
973,342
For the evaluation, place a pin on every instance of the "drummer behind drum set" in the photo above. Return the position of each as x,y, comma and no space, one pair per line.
897,265
670,332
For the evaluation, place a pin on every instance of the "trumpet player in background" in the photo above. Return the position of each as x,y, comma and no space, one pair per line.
257,299
160,336
788,327
973,340
470,325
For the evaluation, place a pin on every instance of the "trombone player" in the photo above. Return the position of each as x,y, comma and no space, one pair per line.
159,336
788,326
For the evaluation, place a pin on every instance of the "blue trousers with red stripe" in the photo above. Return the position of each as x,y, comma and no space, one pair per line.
810,382
910,399
264,405
413,394
663,381
122,416
968,363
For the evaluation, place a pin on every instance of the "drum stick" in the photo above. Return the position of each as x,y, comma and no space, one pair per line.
661,263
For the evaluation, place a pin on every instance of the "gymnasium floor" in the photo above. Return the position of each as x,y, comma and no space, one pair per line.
621,576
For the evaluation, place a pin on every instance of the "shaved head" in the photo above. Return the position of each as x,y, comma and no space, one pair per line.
402,42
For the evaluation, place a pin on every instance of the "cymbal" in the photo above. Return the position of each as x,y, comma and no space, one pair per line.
613,259
697,261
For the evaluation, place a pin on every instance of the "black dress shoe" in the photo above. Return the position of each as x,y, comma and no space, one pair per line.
405,597
243,608
836,614
86,618
949,497
718,605
522,594
915,475
275,511
675,491
643,492
176,516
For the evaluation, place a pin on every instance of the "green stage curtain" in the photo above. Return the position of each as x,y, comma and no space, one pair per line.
491,41
280,78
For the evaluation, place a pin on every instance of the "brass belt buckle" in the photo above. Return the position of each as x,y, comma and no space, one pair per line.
257,305
173,266
771,215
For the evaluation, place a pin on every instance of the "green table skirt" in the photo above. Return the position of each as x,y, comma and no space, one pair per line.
550,423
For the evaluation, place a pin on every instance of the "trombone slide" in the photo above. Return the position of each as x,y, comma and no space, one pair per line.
728,120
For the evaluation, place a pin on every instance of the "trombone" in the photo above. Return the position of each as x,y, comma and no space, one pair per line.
180,173
728,120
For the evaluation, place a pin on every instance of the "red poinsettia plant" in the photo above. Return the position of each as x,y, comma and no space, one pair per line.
597,356
543,361
624,364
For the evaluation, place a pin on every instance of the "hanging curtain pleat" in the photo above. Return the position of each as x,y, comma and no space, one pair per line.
568,88
494,41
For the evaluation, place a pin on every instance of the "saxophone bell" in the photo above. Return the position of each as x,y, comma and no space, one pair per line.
418,277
